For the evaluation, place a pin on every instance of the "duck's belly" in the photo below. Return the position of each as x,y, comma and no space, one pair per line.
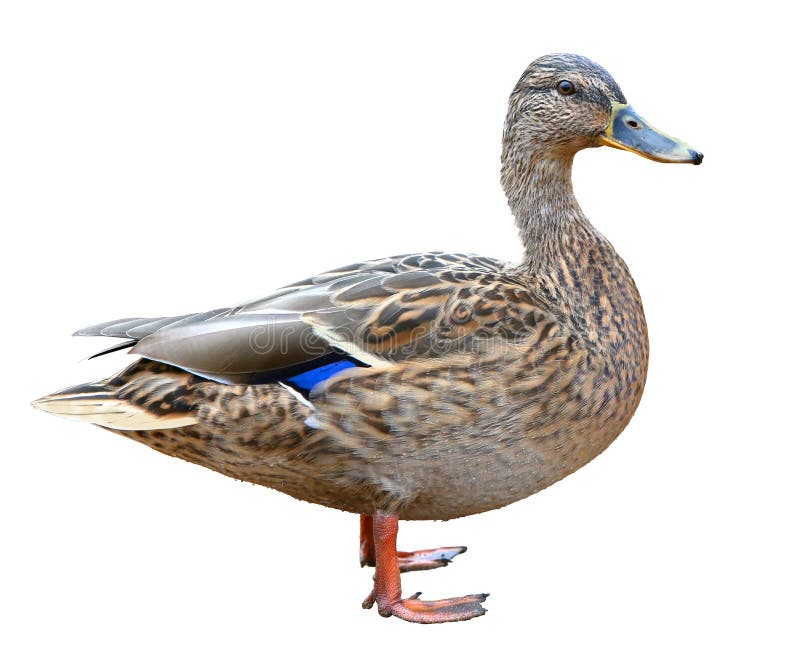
474,478
435,466
476,471
477,482
426,456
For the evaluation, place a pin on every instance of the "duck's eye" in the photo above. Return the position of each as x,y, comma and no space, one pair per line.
566,87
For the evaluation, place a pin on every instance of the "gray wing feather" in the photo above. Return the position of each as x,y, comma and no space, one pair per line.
252,342
244,348
97,329
138,328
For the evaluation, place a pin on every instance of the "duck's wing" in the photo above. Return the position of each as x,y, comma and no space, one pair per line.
372,314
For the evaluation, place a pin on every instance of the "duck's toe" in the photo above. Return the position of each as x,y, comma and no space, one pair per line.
428,558
435,612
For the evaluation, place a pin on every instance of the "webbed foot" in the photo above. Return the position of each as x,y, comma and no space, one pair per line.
381,550
436,612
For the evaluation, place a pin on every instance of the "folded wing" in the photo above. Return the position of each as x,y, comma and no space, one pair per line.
375,313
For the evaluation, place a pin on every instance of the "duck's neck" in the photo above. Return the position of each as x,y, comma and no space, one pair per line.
551,224
565,254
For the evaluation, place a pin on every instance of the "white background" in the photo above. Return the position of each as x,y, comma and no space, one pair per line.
165,157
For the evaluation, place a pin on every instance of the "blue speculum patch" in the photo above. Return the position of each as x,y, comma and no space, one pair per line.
306,381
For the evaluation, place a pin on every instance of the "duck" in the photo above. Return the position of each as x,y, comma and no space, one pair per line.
425,386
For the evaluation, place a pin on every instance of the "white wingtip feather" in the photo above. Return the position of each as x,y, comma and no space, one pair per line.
104,410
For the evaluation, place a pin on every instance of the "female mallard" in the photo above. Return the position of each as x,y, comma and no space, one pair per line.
428,386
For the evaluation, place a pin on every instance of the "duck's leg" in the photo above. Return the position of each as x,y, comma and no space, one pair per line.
366,541
387,590
407,560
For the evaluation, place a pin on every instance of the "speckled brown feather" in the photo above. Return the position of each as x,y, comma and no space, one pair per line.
488,382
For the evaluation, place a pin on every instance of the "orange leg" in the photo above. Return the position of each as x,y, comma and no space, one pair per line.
407,560
387,591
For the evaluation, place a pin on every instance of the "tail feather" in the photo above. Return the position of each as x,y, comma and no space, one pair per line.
137,400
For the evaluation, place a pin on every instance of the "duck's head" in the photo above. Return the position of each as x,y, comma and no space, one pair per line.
564,103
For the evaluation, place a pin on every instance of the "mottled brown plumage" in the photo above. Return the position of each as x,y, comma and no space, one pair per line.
480,382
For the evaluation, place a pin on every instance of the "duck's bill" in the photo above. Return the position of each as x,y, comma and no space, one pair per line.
627,130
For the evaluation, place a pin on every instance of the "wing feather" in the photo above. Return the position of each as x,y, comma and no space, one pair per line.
379,312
